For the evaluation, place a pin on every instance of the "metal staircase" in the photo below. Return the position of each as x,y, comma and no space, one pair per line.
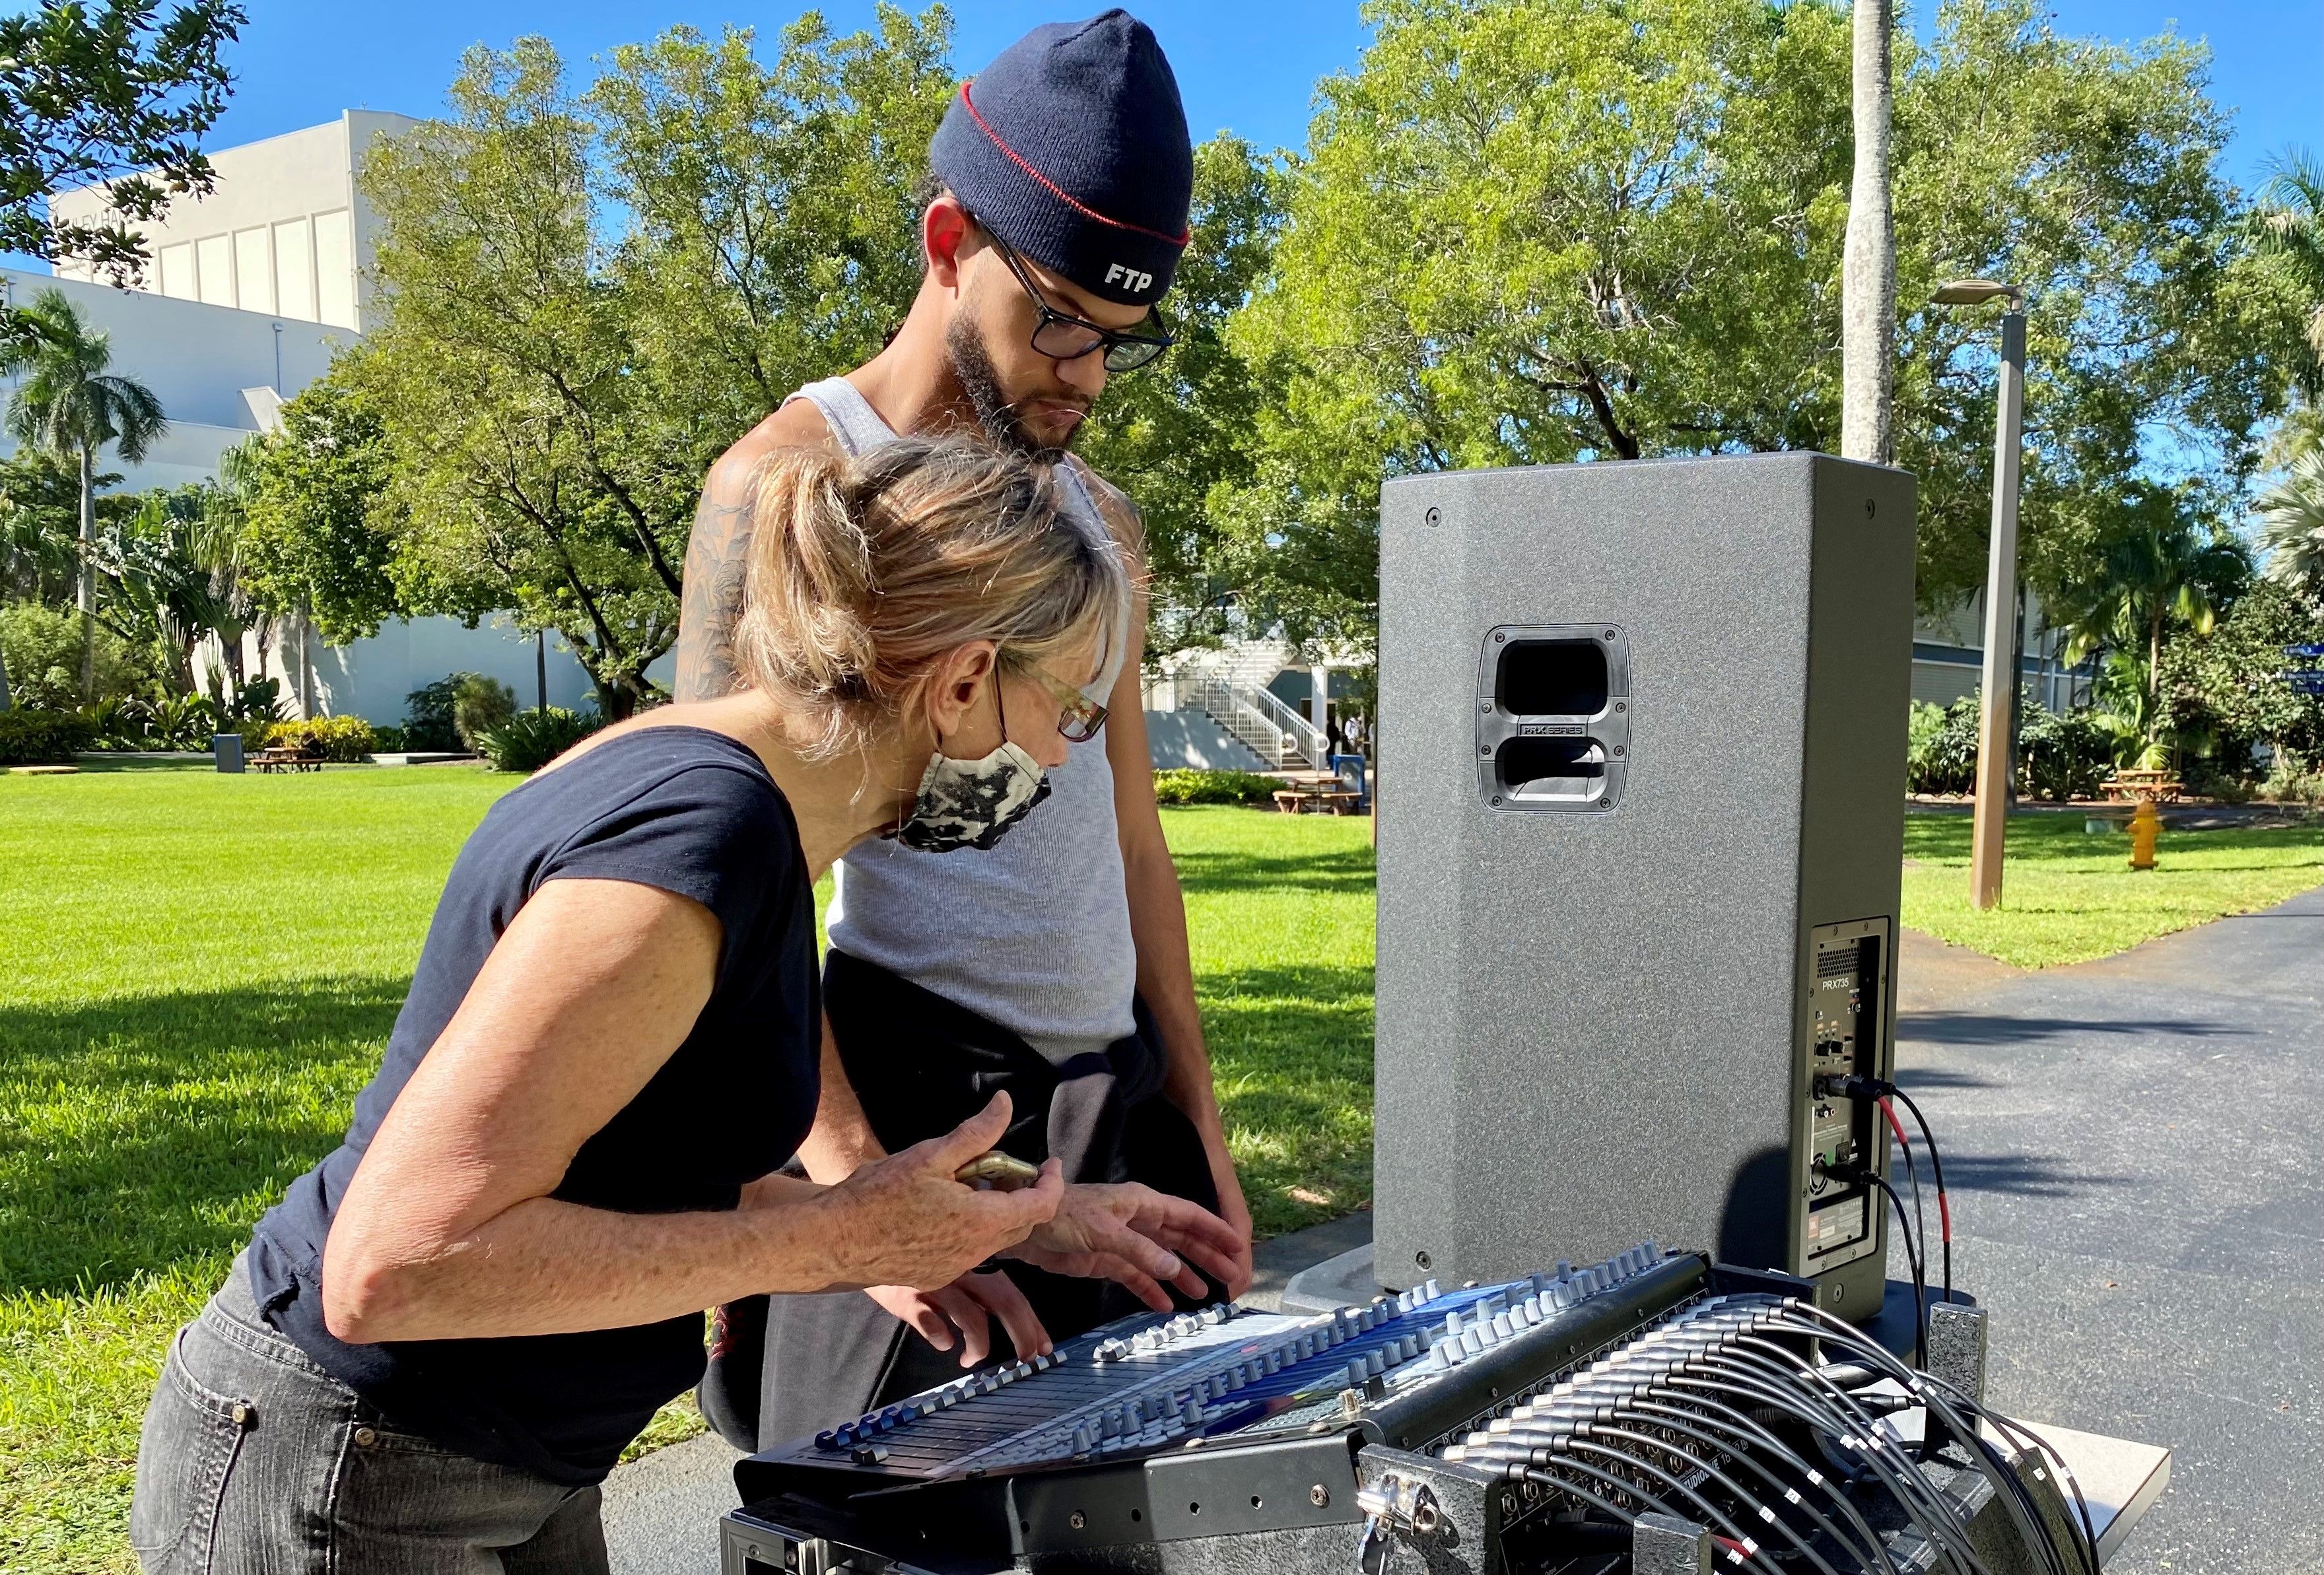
1230,686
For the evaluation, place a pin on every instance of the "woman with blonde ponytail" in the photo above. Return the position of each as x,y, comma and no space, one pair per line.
440,1341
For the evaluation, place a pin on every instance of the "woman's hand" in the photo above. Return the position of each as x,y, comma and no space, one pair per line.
1136,1237
968,1305
904,1221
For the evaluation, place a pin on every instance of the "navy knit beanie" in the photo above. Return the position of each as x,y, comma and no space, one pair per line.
1072,147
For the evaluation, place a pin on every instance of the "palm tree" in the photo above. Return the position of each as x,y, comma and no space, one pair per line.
71,405
2291,230
2159,561
2292,525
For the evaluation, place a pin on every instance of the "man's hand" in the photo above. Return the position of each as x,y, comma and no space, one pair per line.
968,1305
1136,1237
903,1220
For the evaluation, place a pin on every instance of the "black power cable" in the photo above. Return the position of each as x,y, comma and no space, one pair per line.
1856,1176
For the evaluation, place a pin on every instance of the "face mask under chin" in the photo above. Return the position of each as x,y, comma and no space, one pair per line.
970,804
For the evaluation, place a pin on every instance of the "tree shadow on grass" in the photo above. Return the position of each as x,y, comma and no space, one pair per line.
1345,870
136,1132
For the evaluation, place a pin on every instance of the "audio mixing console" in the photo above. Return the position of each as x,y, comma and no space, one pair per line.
1480,1427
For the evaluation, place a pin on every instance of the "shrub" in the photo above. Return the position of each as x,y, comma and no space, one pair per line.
2064,757
30,737
1941,750
479,705
428,715
531,739
41,646
2291,780
1213,787
388,740
346,740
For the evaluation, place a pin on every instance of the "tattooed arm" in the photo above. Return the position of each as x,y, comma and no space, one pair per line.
715,555
719,551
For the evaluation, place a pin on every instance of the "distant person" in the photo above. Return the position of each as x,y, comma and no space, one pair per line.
439,1342
1358,735
1333,737
1058,966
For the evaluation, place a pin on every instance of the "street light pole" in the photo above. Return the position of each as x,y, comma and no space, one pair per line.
2000,702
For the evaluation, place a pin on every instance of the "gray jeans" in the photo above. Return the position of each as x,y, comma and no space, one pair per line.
256,1461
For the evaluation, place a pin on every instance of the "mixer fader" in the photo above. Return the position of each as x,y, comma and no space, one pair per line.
1223,1371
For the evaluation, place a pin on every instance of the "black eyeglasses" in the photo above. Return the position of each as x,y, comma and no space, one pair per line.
1062,336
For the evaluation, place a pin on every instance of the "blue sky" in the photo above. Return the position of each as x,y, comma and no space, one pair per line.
1250,65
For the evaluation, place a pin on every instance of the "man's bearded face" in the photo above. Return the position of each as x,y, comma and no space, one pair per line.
1017,396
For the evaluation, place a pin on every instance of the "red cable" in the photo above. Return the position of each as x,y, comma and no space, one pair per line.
1944,1210
1735,1549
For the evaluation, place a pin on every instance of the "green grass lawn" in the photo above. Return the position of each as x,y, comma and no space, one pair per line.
2068,896
202,971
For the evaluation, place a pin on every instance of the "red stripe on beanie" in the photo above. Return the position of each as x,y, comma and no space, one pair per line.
1059,192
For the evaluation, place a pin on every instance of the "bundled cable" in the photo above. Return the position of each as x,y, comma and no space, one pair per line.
1699,1418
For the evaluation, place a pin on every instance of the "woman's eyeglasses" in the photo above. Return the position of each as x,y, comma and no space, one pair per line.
1062,336
1078,716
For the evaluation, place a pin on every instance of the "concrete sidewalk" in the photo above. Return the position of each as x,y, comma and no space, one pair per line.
2134,1152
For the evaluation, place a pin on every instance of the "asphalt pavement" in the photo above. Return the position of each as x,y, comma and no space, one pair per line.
2134,1153
2133,1147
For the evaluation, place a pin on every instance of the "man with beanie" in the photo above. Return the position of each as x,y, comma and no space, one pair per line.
1054,965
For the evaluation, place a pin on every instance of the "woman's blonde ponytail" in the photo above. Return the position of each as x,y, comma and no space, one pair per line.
864,571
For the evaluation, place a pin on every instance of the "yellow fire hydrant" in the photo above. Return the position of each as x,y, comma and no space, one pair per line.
2145,825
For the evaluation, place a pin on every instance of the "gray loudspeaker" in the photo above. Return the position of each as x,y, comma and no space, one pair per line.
1641,789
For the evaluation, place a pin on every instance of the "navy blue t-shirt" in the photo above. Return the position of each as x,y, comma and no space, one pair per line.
686,810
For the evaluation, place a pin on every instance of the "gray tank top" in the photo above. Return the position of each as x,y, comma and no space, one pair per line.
1033,935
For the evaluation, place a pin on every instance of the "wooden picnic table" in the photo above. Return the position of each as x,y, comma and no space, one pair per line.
2153,785
286,760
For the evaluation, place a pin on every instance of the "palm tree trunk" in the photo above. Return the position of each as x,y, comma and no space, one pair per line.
1868,270
87,589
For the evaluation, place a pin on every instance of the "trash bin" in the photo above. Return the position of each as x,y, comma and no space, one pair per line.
227,748
1349,770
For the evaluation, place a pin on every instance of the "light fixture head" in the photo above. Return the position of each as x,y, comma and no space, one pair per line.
1974,292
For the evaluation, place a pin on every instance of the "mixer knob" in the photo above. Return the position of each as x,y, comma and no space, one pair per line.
1084,1439
1213,1314
1375,1364
1653,1251
1190,1414
828,1439
1448,1352
1564,1269
1430,1291
1472,1342
1407,1347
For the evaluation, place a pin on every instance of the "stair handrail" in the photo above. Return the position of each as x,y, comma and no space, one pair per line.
1306,736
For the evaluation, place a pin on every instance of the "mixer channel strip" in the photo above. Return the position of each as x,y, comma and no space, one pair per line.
1140,1386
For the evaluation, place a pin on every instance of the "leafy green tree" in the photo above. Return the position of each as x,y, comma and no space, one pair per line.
39,521
1538,231
2159,563
589,294
2233,689
107,95
310,544
1172,433
773,236
501,377
176,571
72,406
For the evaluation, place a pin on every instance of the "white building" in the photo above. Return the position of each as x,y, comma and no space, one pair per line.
251,292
